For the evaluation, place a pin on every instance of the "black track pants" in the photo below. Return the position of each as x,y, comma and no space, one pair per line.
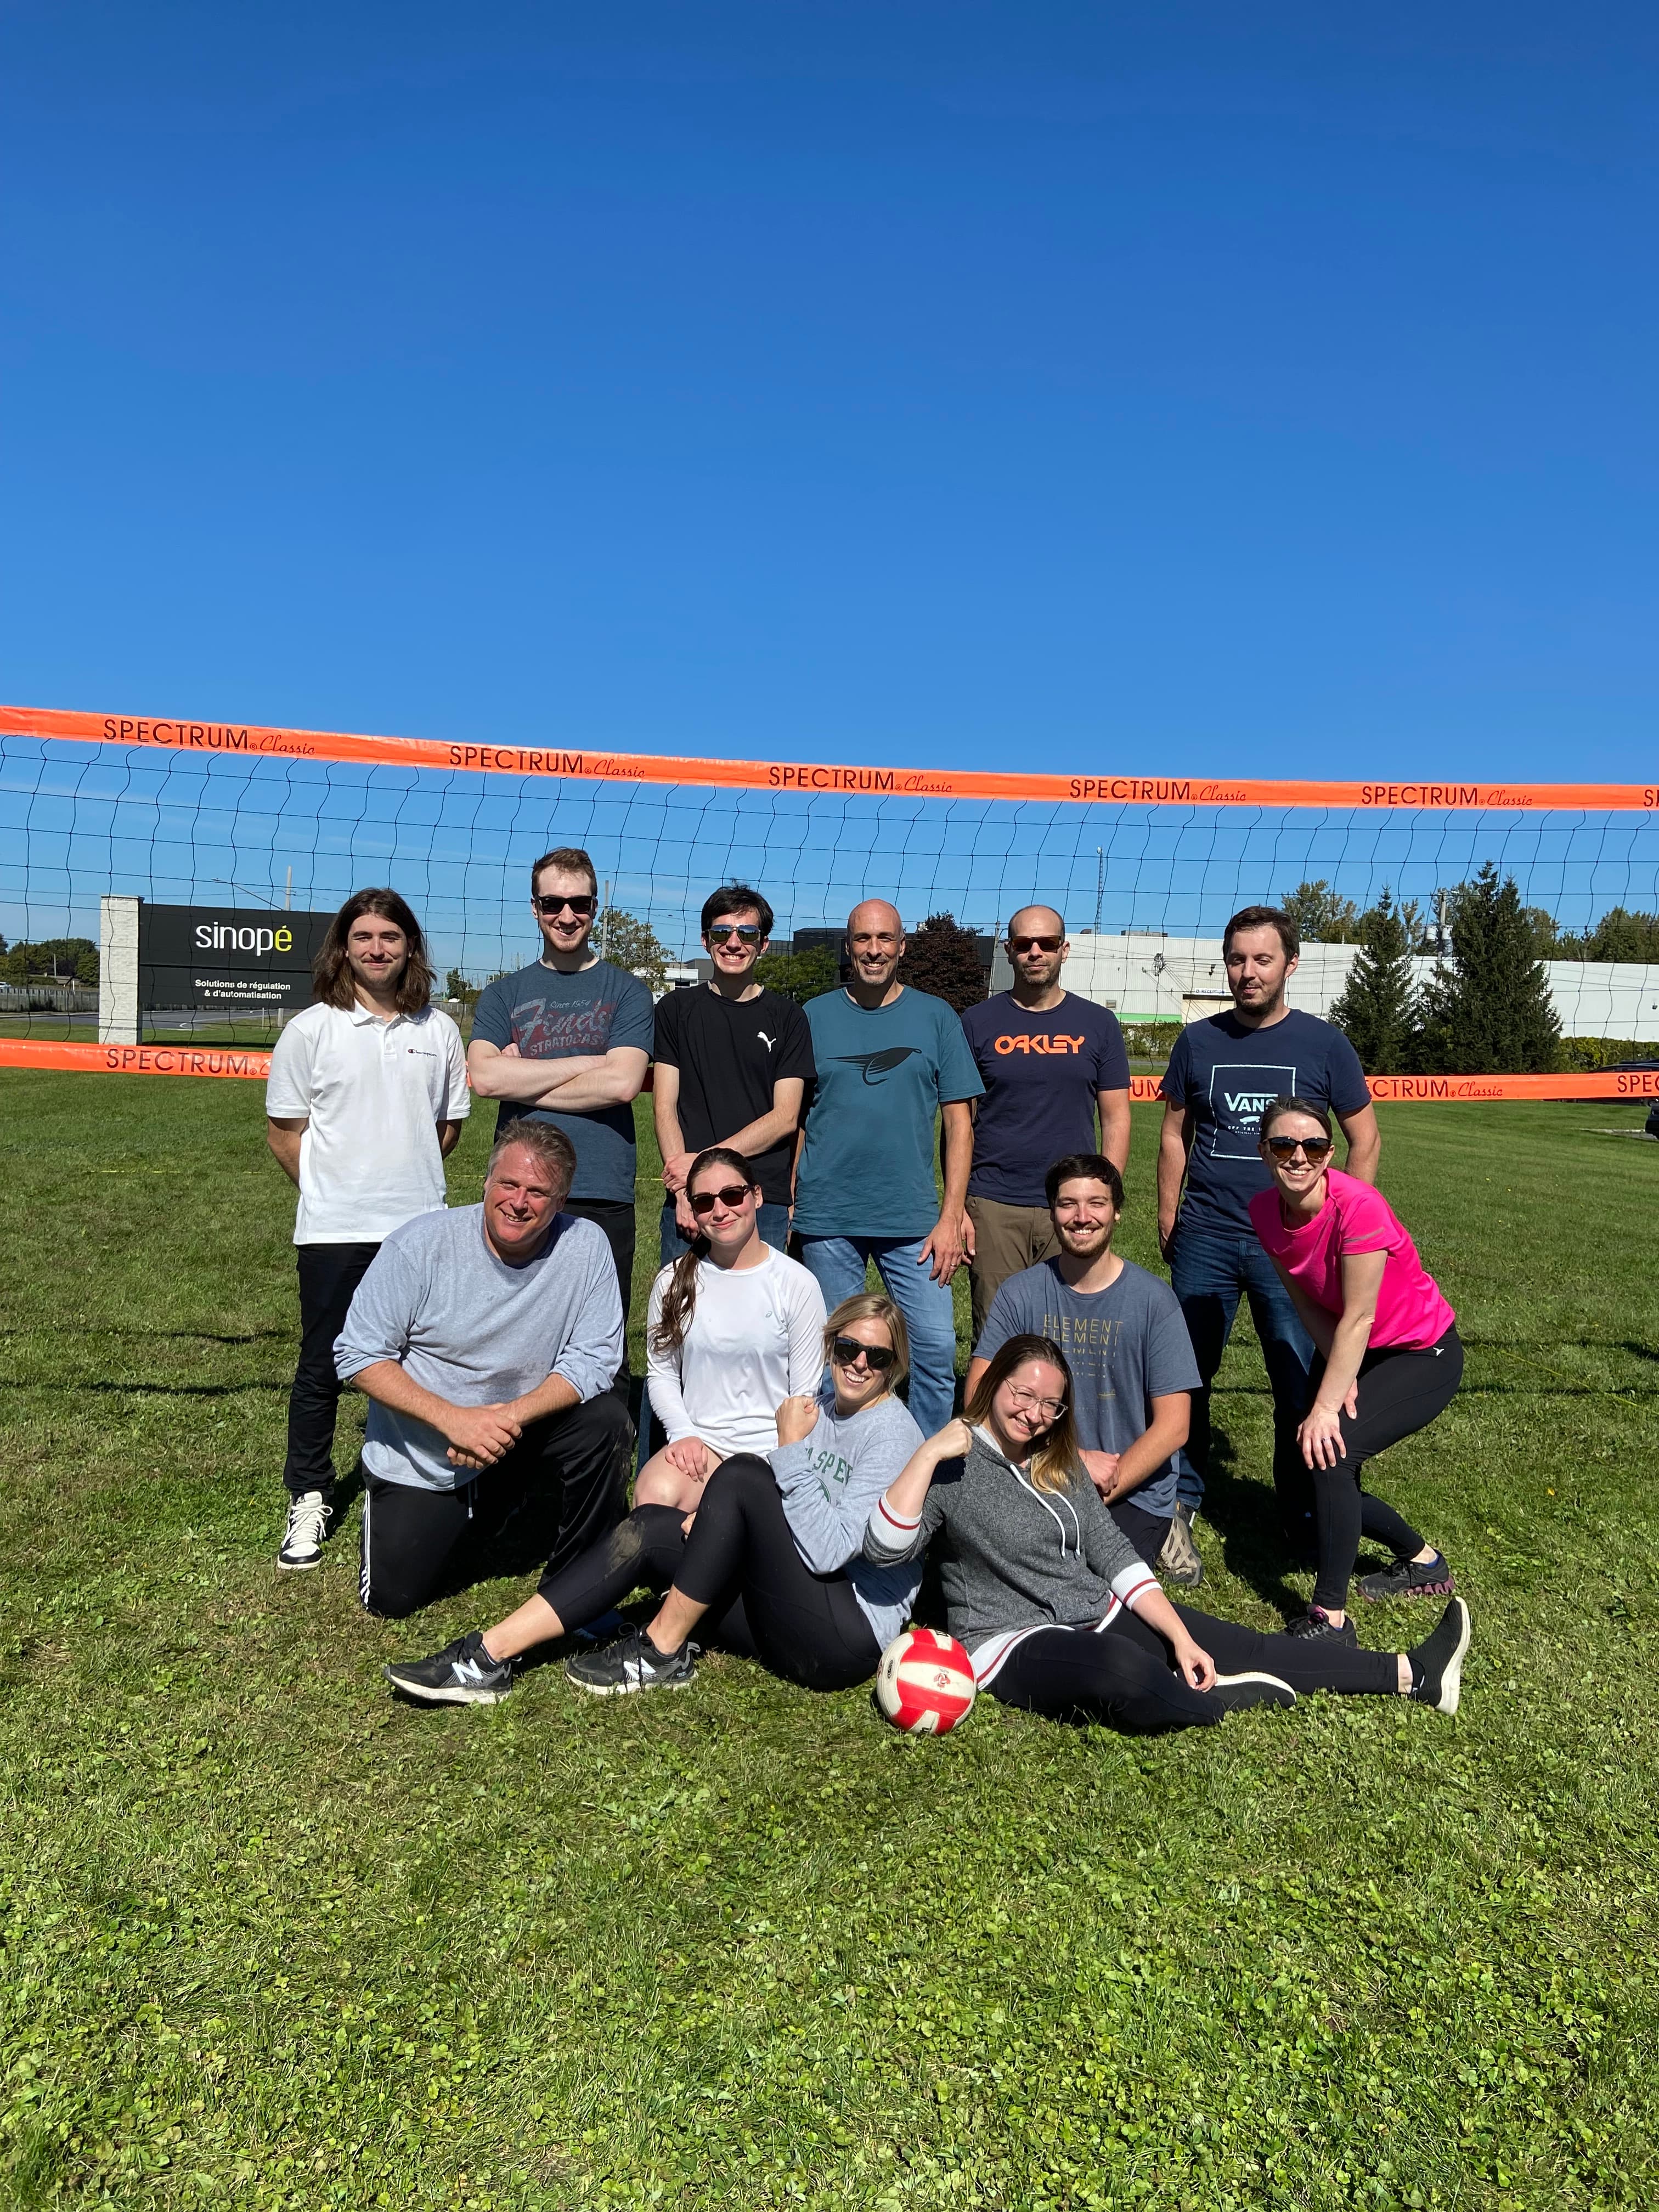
615,1223
1399,1393
329,1274
1124,1676
570,1470
1145,1531
741,1562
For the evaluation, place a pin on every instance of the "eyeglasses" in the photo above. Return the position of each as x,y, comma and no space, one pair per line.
847,1351
705,1201
1041,943
548,905
1025,1401
746,932
1316,1148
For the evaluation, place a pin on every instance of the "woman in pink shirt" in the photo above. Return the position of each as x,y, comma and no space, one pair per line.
1388,1357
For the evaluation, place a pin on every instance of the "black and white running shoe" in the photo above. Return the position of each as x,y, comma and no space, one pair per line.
462,1673
1233,1693
308,1525
1408,1578
1437,1662
1317,1622
632,1662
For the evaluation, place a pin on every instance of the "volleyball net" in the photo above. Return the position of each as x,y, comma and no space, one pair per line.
241,823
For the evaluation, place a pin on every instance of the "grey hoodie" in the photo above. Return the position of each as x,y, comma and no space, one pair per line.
1012,1558
829,1482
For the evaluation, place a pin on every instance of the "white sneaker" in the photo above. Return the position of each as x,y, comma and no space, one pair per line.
308,1524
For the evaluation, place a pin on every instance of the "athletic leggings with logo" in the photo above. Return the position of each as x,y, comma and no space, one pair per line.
740,1560
1399,1393
1124,1676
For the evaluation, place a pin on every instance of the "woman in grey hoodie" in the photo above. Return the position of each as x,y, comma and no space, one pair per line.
1057,1612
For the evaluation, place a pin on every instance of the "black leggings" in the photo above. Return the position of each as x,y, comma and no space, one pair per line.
1399,1393
741,1562
1125,1677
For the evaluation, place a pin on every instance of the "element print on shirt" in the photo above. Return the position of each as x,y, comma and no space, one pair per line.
1027,1042
542,1032
1239,1097
876,1064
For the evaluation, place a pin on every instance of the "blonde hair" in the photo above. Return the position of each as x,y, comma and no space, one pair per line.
873,1305
1053,1459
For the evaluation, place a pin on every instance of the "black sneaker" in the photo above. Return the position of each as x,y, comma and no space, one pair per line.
1408,1578
1437,1662
632,1662
1233,1693
462,1673
308,1517
1317,1622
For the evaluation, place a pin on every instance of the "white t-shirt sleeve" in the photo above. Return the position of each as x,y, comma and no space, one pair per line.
662,1372
458,1102
288,1085
807,1316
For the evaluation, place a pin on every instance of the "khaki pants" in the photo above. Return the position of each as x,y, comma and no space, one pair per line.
1006,1238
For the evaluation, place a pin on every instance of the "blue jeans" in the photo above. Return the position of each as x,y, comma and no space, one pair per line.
774,1224
929,1316
1210,1270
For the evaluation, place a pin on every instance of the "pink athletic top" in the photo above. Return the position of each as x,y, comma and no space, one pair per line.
1412,1312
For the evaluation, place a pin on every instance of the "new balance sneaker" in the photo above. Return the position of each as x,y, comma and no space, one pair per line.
1233,1693
1408,1578
1437,1662
632,1662
1179,1558
462,1673
308,1525
1317,1622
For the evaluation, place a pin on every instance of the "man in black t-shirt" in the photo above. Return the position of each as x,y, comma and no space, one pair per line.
1222,1073
734,1060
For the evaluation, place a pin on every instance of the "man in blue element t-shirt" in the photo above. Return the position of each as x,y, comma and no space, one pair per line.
1221,1075
1049,1063
567,1040
1133,1369
889,1061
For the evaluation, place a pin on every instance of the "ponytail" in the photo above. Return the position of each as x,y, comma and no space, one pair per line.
679,1300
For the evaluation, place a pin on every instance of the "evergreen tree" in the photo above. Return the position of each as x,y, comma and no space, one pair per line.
1620,935
632,944
1490,1013
1377,1007
1321,916
943,957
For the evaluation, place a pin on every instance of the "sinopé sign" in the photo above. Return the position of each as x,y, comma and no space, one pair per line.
237,960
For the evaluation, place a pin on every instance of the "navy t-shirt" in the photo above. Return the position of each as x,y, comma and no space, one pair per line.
1041,1072
554,1017
1227,1074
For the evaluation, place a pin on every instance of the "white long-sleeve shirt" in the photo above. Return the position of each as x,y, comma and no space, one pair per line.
756,1338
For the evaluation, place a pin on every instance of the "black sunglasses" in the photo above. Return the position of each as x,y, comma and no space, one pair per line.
1316,1148
1043,944
704,1201
847,1351
546,903
748,932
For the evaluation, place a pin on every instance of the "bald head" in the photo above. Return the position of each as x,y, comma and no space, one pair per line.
1037,921
875,946
875,914
1036,952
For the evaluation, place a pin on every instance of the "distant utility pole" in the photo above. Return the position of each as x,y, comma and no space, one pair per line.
605,923
287,896
1440,924
1100,885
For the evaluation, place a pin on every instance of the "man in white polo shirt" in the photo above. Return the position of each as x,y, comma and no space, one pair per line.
367,1094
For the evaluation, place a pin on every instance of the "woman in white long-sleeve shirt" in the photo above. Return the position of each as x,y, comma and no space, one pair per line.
733,1329
774,1568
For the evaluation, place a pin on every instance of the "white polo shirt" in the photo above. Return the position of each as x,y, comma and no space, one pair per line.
374,1092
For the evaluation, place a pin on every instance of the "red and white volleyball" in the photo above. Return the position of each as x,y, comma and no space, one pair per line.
925,1684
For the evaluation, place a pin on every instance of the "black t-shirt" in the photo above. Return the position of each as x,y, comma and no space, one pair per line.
1042,1073
729,1054
1227,1074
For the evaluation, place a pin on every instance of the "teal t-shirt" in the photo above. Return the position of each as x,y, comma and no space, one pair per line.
866,1169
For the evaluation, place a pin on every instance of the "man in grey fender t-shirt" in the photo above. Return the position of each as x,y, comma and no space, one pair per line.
1131,1359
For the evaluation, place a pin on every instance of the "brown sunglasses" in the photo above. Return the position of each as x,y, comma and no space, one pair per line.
731,1194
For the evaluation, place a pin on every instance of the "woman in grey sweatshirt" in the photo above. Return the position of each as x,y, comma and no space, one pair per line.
1057,1611
771,1564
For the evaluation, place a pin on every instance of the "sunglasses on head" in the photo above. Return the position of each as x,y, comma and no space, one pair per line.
731,1195
847,1351
548,904
1314,1148
1043,944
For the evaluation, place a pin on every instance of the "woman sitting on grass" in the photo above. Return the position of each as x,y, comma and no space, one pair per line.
774,1557
1057,1612
1388,1359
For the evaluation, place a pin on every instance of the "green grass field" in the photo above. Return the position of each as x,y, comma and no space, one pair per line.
270,1939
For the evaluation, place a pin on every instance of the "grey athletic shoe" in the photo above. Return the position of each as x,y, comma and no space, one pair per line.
1317,1624
1179,1558
308,1525
462,1673
632,1662
1233,1693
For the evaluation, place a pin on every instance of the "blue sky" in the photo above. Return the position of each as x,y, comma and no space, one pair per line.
1165,389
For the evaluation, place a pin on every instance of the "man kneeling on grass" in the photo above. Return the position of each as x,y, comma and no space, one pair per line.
486,1337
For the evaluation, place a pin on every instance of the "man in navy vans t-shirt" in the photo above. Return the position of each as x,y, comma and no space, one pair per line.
1221,1075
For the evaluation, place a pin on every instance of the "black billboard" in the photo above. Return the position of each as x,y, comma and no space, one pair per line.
237,960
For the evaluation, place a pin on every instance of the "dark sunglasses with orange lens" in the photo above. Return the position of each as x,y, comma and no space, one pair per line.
1043,944
1315,1148
732,1195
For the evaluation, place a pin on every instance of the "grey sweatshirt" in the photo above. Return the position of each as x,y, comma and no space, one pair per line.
1012,1558
829,1483
471,1330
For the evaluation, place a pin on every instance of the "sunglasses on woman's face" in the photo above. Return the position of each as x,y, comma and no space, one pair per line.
1043,944
705,1201
847,1351
1315,1148
547,904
